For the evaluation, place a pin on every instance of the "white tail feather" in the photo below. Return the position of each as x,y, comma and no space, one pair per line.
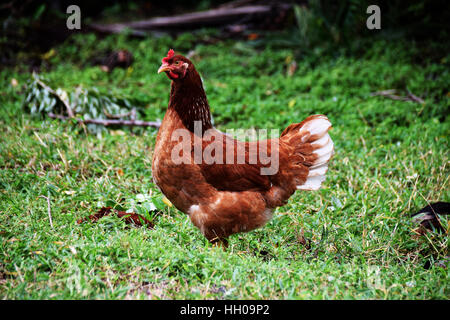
319,171
312,183
325,150
318,126
322,141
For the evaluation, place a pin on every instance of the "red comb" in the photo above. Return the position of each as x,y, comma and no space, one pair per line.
170,54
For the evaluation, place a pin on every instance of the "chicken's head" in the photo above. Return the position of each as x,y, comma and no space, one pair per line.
175,66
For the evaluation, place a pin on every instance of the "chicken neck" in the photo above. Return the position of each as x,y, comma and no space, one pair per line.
188,100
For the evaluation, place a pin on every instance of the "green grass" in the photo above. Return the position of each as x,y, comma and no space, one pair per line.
391,159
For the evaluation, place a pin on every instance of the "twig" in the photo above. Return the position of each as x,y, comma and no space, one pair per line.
362,116
46,87
48,208
109,122
390,94
383,92
415,98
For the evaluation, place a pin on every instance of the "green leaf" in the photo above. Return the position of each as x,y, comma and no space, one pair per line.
39,11
159,204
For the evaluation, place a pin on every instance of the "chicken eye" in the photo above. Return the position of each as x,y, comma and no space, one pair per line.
177,63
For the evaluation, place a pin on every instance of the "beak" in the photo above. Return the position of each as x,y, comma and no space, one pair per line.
164,67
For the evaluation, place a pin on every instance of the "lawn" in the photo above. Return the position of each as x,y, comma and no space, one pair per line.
353,239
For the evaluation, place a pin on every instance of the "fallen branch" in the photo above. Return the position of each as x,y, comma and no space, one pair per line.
109,122
49,211
203,18
38,89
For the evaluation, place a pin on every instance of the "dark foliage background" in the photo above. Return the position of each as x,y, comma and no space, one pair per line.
34,26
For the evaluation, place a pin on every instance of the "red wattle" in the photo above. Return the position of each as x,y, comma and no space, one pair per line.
173,75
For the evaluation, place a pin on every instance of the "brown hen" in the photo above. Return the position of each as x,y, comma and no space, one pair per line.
228,186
